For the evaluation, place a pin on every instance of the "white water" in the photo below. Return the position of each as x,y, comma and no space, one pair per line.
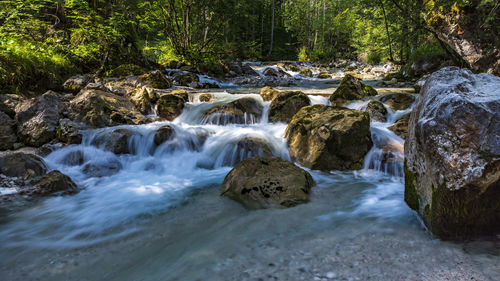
124,190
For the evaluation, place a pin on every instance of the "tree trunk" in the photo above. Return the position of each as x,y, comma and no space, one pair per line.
387,30
272,29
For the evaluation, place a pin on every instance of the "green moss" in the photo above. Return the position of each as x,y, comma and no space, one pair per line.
427,213
125,70
59,131
464,213
411,196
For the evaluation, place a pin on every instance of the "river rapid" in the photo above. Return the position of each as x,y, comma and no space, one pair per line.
157,214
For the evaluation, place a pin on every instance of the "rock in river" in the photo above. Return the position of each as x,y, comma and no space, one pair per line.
350,89
99,109
329,138
267,182
242,111
286,104
452,154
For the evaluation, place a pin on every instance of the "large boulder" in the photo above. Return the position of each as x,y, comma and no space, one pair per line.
38,119
170,106
99,109
400,128
22,165
267,182
329,138
398,101
7,132
286,104
350,89
377,111
242,111
452,154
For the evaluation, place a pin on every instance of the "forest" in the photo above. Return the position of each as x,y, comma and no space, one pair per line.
42,42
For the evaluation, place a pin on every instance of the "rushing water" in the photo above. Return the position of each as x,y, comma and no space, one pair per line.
155,214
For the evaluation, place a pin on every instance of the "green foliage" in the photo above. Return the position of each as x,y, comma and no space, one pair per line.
31,65
374,58
431,52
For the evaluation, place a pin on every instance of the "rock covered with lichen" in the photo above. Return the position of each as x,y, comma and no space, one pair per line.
267,182
329,138
452,166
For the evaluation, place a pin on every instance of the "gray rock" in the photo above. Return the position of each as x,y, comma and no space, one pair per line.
267,182
452,154
38,119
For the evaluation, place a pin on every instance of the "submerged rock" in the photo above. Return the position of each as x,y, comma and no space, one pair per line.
267,182
163,134
329,138
22,165
38,118
102,169
286,104
452,154
400,128
242,111
99,109
350,89
116,141
398,101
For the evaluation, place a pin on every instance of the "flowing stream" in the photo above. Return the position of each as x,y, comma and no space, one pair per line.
156,213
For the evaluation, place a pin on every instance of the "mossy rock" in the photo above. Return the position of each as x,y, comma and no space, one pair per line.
351,89
324,75
99,109
286,104
183,94
329,138
260,182
306,72
398,101
267,93
242,111
170,106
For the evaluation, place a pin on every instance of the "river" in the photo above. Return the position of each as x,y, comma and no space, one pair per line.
157,213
